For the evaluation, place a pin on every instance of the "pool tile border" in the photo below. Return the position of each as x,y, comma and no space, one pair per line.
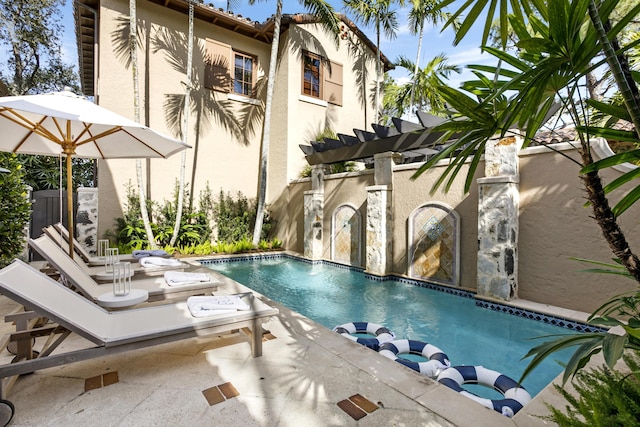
489,305
533,315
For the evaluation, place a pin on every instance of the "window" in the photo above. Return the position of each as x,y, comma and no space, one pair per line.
243,74
227,70
311,75
321,78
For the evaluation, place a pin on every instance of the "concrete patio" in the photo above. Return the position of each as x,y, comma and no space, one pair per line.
308,376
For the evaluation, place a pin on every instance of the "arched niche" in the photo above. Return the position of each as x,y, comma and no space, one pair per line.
434,244
346,235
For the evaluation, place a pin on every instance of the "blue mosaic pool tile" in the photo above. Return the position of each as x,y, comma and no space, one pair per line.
514,311
540,317
440,288
241,258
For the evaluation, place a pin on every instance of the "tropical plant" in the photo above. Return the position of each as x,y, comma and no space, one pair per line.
384,19
194,229
44,172
235,218
423,91
328,19
559,42
15,209
185,127
130,233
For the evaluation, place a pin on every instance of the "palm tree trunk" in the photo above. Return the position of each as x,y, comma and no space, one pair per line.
377,94
621,75
592,181
133,45
185,129
417,67
196,146
264,150
609,225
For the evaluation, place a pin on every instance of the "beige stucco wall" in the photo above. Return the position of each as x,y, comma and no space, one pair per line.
223,162
299,119
555,226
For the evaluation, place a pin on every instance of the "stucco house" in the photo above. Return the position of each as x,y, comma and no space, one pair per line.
319,85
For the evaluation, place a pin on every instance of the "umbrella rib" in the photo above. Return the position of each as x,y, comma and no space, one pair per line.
93,138
32,127
144,143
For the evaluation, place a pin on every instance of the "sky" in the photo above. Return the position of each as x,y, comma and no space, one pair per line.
435,41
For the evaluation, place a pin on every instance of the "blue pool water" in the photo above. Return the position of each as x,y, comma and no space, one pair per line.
468,334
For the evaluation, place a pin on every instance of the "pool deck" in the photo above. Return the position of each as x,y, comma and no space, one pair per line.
306,376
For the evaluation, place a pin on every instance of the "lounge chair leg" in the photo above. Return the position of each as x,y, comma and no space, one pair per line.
256,338
6,412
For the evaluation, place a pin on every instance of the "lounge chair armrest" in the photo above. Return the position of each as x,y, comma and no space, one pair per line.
21,316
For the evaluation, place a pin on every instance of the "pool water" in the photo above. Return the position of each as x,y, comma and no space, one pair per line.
468,334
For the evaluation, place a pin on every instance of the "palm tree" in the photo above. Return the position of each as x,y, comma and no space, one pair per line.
378,13
421,12
329,20
423,91
133,46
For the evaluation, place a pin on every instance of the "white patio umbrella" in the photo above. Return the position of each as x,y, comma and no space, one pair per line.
63,122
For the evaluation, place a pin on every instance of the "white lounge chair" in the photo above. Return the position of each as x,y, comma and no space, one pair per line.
108,332
156,286
59,234
99,272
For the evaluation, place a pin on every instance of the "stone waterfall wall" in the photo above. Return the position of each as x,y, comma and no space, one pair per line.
378,230
379,222
314,214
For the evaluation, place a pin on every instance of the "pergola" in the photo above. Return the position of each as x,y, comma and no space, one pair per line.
414,141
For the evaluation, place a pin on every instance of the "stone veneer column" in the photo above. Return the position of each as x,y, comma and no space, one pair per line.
379,228
87,218
498,204
314,214
379,223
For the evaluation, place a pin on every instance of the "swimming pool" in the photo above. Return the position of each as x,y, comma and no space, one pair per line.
468,334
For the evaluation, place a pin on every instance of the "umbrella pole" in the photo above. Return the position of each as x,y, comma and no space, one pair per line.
70,204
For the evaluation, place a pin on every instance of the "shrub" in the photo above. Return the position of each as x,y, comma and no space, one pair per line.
15,209
605,398
194,224
235,218
130,233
